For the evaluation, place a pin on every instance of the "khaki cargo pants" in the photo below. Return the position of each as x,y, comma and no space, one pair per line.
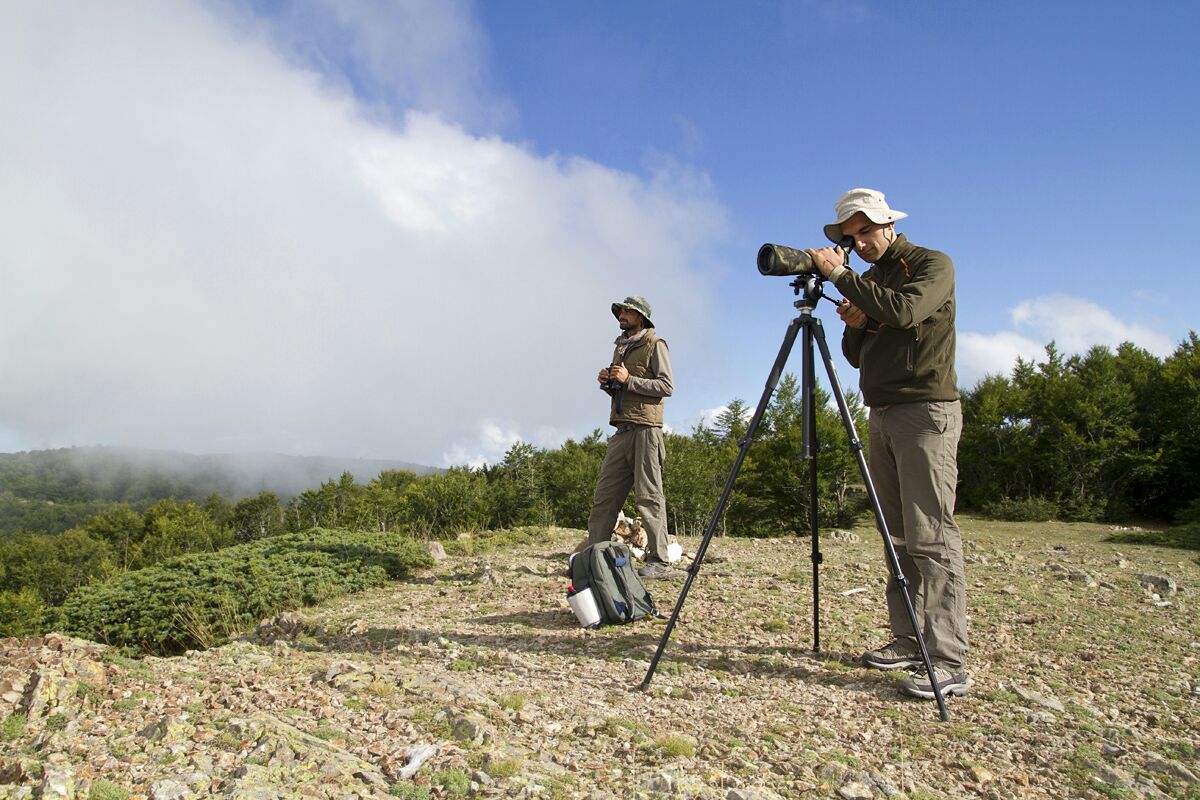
635,458
914,465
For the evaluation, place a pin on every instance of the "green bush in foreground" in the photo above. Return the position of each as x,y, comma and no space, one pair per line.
200,600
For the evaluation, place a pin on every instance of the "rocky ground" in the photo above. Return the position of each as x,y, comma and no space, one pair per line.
473,679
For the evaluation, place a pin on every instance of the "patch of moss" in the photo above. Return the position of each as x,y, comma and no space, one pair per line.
131,665
675,745
454,782
514,701
12,727
408,791
328,734
616,727
502,767
105,790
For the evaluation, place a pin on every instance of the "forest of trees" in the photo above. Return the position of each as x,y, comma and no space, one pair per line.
1102,436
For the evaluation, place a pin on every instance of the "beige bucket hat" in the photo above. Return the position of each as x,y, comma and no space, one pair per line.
869,202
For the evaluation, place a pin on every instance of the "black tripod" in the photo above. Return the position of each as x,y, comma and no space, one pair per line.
808,286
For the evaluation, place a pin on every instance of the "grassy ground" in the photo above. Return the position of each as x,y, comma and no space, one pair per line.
1087,684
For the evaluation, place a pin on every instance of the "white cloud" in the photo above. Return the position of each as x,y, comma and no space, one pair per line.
488,447
491,439
392,54
708,417
208,248
1075,325
992,354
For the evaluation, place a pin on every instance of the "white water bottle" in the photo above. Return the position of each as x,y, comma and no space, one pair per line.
583,603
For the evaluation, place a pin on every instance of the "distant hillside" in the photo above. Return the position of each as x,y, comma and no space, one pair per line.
121,474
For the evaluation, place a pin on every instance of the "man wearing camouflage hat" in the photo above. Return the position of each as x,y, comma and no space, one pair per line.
637,380
899,317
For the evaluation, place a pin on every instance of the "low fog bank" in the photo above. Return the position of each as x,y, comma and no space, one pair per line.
126,474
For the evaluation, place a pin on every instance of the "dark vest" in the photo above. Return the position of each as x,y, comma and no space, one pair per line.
638,409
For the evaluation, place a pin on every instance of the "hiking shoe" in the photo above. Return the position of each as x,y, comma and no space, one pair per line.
654,569
955,683
896,654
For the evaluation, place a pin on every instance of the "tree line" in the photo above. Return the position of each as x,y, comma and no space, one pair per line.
1100,436
51,491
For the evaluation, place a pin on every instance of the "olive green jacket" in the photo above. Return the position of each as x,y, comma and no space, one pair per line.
906,352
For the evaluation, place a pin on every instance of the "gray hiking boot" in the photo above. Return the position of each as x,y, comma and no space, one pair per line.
951,683
654,569
896,654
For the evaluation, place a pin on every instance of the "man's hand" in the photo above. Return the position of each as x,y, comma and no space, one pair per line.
851,314
603,376
825,259
619,374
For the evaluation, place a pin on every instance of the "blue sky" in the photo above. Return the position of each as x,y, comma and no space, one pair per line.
1040,144
392,229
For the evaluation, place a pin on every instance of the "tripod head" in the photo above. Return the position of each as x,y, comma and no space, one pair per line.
810,290
809,284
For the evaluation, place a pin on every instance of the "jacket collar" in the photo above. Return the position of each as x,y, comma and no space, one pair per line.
629,341
899,249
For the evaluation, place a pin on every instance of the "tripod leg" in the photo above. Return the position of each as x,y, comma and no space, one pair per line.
789,339
808,450
856,445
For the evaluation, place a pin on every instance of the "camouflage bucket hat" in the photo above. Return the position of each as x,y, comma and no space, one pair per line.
638,304
870,202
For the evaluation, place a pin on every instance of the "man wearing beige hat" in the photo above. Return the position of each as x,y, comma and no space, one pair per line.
899,317
637,379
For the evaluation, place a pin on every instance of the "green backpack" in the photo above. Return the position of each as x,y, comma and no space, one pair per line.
607,567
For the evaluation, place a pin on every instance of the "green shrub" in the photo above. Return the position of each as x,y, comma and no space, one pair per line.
454,781
1184,537
328,734
21,613
675,746
1027,509
513,701
1189,513
200,600
503,767
12,727
493,541
409,791
103,790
